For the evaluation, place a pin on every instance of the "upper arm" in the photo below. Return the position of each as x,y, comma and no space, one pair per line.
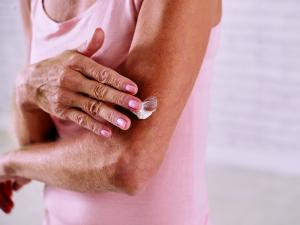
169,45
26,21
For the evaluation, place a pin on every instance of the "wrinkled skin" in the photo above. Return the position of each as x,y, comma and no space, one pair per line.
73,87
164,63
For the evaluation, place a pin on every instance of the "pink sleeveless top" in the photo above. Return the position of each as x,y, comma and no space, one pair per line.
177,194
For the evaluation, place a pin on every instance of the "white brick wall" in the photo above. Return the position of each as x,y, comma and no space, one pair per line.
11,54
255,106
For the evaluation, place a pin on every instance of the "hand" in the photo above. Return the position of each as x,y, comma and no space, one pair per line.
8,185
73,87
6,192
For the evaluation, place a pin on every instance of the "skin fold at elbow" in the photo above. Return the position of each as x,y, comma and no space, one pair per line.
131,179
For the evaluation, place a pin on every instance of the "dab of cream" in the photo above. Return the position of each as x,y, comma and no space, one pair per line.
149,106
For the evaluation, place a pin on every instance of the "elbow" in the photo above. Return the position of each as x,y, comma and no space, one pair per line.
134,189
136,166
130,183
130,179
137,184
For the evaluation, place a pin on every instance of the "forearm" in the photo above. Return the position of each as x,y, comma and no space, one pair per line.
85,163
164,64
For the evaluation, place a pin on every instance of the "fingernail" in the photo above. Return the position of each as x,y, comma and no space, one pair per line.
105,133
121,123
82,47
134,104
130,88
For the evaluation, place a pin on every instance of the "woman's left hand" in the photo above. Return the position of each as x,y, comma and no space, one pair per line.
8,184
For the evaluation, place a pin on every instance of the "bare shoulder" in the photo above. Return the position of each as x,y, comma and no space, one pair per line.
25,4
25,11
218,12
25,8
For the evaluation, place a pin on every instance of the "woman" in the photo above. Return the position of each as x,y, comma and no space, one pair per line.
74,105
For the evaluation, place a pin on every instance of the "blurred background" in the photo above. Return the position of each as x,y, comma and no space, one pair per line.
253,154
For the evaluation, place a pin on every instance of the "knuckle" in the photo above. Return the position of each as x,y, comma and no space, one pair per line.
95,74
72,57
110,116
62,80
94,107
119,99
59,111
58,96
80,119
116,82
91,107
94,127
56,107
104,76
100,92
108,77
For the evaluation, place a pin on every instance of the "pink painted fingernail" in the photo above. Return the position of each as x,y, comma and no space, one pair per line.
82,47
134,104
105,133
121,123
130,88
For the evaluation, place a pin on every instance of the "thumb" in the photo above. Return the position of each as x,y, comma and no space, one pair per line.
89,48
19,182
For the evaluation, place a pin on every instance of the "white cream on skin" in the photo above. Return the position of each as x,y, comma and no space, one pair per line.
149,106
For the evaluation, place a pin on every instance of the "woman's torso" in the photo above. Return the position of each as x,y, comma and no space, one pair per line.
177,194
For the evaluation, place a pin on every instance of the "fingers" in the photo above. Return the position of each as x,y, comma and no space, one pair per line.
19,183
102,74
103,92
87,122
8,188
6,193
98,109
88,112
91,46
6,203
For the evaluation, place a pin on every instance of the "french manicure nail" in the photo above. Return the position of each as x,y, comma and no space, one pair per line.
121,123
130,88
134,104
82,47
105,133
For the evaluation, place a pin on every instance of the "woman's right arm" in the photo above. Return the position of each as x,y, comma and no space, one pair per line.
33,126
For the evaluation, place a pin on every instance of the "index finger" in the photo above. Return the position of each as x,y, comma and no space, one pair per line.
103,74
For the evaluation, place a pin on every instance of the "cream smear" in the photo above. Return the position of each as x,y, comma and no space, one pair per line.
149,106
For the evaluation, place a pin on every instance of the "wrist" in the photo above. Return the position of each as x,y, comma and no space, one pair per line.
24,97
7,163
